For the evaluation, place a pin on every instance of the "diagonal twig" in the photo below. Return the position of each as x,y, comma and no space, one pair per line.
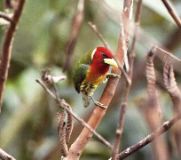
149,138
172,12
5,156
99,35
63,104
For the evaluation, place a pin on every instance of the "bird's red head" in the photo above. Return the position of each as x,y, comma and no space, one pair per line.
102,59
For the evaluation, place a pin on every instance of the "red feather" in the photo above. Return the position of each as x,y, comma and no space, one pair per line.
98,68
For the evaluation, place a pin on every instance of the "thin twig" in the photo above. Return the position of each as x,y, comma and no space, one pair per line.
99,35
172,12
5,156
5,17
62,103
7,48
77,22
149,138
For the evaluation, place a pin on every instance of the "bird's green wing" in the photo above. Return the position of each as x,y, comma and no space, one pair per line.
86,59
79,75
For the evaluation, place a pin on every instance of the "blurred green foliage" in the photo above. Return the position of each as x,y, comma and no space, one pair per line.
28,125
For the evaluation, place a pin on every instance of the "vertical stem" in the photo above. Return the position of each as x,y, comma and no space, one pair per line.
7,48
123,107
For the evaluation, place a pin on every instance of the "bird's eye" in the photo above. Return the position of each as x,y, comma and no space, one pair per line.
104,55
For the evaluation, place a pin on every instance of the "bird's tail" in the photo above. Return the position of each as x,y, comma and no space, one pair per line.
86,100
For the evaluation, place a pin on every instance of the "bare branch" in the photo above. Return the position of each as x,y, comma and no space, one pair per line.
99,35
149,138
127,12
7,48
5,156
76,26
172,12
63,104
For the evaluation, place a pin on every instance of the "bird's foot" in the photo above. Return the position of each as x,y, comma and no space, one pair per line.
99,104
102,106
113,75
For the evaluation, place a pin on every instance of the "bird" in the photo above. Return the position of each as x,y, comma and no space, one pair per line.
92,69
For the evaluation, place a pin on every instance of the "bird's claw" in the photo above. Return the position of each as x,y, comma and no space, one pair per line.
102,106
113,75
97,103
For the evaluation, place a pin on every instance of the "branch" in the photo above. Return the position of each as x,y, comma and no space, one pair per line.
5,156
149,138
7,48
99,35
119,131
63,104
76,26
172,12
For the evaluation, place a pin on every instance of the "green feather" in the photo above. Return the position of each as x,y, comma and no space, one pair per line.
79,75
80,71
86,59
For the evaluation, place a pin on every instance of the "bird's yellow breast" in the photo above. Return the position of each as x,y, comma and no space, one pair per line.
95,78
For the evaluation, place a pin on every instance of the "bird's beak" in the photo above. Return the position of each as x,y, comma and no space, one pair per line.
111,62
